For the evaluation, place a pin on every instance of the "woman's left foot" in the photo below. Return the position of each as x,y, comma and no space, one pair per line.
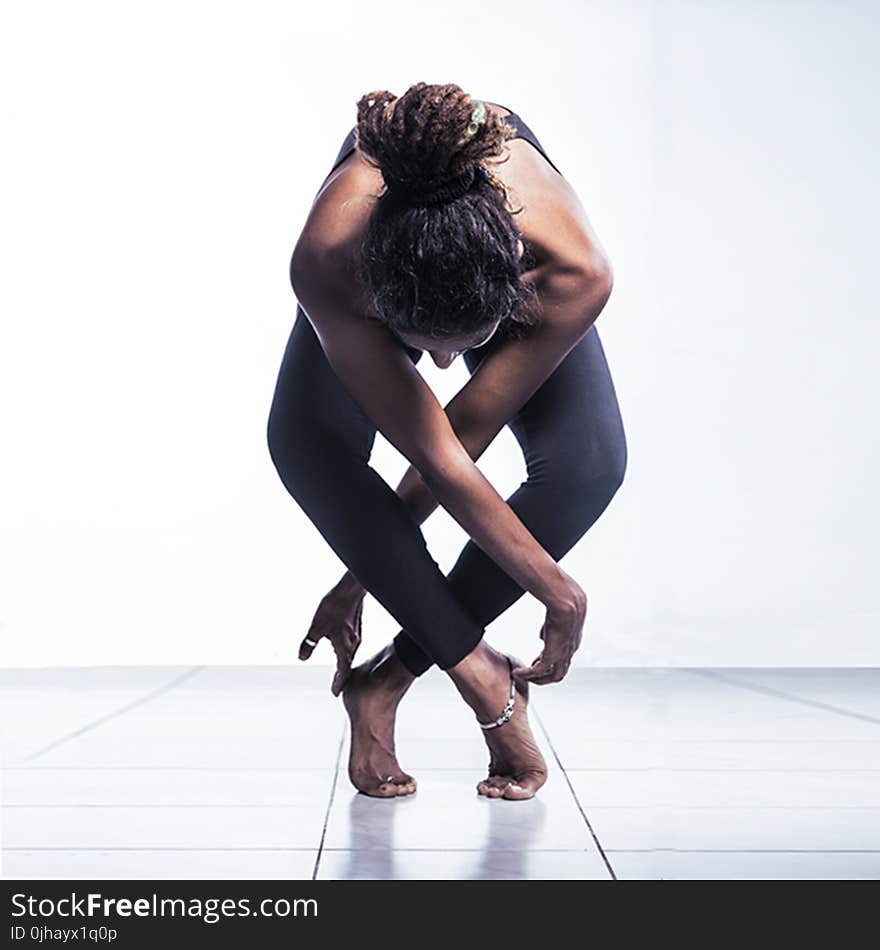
516,767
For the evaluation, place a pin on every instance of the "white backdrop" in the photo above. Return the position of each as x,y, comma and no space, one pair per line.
159,162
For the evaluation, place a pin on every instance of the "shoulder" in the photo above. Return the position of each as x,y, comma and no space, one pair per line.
549,213
327,247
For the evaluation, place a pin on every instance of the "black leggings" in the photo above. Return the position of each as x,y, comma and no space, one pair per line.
320,441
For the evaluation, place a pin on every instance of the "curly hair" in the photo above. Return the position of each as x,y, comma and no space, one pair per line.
446,265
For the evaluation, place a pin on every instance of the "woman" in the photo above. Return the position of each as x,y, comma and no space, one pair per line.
444,227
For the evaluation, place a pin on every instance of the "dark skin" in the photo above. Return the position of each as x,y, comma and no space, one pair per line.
573,280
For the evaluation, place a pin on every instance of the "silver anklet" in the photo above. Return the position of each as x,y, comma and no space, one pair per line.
508,709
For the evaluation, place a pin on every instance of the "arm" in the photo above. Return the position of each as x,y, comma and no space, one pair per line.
390,390
573,280
573,288
504,383
508,378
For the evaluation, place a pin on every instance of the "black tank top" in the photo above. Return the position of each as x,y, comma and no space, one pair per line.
522,132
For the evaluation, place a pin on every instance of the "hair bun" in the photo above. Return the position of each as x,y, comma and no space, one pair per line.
423,194
427,141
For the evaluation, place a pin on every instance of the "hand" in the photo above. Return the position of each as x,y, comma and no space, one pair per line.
562,633
338,618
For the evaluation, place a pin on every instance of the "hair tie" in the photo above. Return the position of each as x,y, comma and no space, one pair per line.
478,116
422,195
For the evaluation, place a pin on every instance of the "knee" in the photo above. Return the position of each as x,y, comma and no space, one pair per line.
288,442
611,468
594,486
587,484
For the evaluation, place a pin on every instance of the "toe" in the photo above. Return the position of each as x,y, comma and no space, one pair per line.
374,785
380,791
496,784
525,787
387,790
500,781
517,792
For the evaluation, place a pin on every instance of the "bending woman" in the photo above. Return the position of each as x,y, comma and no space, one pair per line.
444,227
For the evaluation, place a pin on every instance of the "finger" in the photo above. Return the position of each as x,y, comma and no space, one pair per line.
344,657
340,678
530,673
544,680
523,672
551,675
307,647
541,671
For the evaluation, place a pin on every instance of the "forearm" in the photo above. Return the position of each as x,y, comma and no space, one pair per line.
477,420
476,426
416,495
462,489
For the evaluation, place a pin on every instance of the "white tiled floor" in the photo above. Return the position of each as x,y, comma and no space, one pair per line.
213,772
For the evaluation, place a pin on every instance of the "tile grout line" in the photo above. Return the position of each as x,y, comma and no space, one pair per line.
279,850
117,712
574,794
780,694
744,850
170,848
423,768
231,806
329,803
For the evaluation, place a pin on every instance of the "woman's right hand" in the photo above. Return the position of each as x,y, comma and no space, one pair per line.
338,618
562,633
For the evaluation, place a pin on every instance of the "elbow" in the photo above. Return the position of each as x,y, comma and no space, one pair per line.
598,280
595,282
301,265
309,265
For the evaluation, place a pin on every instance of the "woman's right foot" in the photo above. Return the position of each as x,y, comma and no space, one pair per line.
370,695
516,767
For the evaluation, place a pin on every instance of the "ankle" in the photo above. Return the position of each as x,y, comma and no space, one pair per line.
475,677
482,660
387,669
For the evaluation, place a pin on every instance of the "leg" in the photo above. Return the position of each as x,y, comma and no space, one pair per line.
572,438
320,442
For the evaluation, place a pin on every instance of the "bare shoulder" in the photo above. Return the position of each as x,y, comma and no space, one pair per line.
552,220
549,212
342,206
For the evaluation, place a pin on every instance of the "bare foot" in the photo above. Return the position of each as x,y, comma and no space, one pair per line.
370,695
516,767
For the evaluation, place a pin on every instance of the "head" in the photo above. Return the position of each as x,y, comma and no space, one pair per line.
442,257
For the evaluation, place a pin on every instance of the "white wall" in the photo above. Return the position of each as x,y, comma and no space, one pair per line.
159,164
